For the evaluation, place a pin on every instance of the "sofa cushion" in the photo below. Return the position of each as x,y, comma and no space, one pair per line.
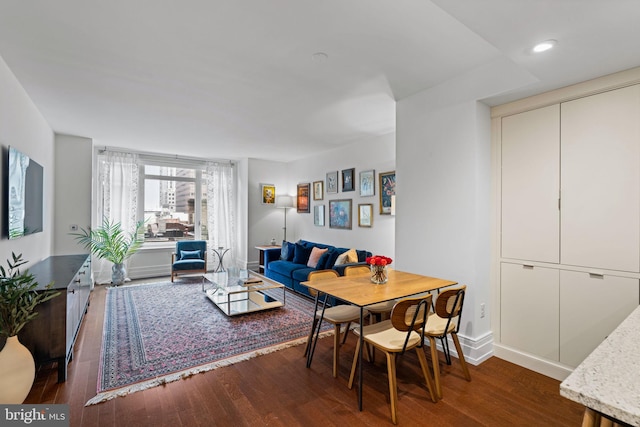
189,264
302,274
285,268
301,255
314,258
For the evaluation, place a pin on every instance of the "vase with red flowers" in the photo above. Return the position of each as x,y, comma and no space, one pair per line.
378,265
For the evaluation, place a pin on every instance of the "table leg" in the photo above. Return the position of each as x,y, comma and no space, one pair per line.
361,338
313,330
317,334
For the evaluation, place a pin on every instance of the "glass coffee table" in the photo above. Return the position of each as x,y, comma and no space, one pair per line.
242,292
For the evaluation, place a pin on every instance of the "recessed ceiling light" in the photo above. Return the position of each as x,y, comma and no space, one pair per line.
319,57
545,45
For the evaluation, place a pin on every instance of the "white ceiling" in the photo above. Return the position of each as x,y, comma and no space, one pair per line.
235,78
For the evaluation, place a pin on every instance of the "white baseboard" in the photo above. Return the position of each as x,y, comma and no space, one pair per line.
551,369
476,350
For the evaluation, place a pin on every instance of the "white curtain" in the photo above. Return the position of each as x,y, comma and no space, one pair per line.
221,216
117,198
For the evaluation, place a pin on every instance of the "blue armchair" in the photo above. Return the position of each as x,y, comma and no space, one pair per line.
190,257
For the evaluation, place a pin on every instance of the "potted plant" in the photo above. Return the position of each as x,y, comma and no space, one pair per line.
18,300
110,242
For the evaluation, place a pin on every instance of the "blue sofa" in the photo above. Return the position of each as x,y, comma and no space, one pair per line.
293,269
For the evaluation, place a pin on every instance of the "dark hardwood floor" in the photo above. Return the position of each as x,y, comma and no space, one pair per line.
278,390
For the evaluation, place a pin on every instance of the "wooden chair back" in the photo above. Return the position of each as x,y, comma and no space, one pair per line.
410,315
320,275
449,305
353,270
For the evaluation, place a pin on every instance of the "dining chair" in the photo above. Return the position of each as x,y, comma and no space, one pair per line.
337,315
446,321
404,331
381,309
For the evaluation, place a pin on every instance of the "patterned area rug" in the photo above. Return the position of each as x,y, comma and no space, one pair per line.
158,333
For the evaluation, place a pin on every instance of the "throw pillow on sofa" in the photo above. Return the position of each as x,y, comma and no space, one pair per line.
331,258
286,252
348,257
301,254
314,257
322,262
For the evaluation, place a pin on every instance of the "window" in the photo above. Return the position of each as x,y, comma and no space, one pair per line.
175,201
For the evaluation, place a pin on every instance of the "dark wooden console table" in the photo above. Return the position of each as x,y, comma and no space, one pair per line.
51,335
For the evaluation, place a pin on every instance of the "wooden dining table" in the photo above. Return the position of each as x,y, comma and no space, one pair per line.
360,291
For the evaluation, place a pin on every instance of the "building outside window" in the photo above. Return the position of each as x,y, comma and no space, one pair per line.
175,201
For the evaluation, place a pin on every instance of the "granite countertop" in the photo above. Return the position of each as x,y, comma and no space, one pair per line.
608,380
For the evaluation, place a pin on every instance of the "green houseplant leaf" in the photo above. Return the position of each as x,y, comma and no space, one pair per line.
18,297
110,242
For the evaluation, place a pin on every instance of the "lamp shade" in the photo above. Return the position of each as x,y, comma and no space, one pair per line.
284,202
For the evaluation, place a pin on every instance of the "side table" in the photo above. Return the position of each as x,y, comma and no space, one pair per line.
220,253
263,248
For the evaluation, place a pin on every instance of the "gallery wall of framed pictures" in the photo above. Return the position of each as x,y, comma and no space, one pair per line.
338,189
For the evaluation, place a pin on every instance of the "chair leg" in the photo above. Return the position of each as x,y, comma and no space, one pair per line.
172,277
463,362
425,371
445,349
354,365
436,366
336,349
393,389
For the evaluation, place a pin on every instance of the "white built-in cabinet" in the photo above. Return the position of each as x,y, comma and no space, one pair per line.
591,306
570,224
600,180
530,301
531,185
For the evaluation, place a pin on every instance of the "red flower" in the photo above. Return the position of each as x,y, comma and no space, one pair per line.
378,260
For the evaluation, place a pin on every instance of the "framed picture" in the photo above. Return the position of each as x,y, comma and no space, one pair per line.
365,215
268,194
387,189
332,182
303,198
347,179
367,183
340,214
318,190
318,215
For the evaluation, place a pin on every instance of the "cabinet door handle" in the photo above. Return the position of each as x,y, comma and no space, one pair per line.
77,281
72,291
528,267
596,275
82,272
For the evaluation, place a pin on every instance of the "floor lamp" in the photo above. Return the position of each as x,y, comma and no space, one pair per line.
284,202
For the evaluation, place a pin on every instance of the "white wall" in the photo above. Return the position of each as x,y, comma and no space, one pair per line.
443,203
377,153
22,126
72,206
265,222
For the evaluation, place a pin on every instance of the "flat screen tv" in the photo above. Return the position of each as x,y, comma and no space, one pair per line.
24,195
